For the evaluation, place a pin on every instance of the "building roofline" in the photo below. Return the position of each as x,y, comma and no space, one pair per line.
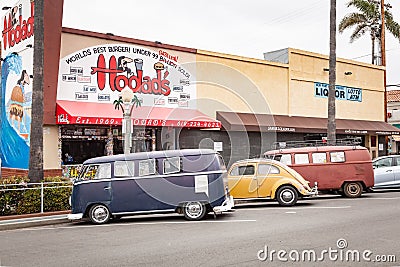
112,37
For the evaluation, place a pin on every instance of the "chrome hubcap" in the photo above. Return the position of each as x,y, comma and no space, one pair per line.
194,209
287,196
100,214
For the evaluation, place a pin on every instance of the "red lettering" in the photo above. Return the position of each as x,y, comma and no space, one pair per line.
137,83
22,31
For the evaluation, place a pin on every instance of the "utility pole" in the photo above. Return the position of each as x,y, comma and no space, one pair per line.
383,53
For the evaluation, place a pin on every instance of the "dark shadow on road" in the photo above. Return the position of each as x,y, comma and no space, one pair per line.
159,218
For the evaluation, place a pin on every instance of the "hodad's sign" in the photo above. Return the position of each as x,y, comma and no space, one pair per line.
99,73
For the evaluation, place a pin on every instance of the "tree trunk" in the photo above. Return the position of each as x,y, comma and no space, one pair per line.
35,173
331,131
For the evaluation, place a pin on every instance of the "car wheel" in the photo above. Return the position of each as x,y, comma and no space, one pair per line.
287,196
194,211
99,214
352,189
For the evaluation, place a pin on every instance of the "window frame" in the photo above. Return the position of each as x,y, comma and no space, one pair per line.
318,153
271,167
337,155
126,162
149,173
302,154
179,165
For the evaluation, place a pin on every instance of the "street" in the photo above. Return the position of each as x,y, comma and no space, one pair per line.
328,230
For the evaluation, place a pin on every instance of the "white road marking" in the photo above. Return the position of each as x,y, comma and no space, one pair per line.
385,198
294,208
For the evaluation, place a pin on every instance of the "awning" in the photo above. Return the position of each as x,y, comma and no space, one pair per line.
71,112
232,121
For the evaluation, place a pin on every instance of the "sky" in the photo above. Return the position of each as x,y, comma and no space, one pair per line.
245,28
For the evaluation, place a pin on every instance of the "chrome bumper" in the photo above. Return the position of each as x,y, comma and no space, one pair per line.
76,216
313,192
227,205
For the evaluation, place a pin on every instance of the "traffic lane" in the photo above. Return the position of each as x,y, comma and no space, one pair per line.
232,239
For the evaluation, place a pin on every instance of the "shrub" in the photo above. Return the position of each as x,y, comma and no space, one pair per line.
19,197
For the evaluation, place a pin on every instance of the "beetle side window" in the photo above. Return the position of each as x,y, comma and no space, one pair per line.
123,168
301,159
397,161
243,170
337,156
147,167
172,165
319,157
265,169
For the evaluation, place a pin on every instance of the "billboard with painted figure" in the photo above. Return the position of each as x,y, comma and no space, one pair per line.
16,84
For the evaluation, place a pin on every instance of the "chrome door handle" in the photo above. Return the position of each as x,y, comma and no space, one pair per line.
389,170
107,188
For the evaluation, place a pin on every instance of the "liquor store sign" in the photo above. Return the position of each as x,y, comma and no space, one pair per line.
341,92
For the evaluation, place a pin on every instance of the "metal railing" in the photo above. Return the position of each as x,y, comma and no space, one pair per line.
36,186
314,143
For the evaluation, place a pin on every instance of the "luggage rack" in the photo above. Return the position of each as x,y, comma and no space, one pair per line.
315,143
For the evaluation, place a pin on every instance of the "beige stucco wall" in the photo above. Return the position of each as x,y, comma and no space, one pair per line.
238,84
51,157
307,68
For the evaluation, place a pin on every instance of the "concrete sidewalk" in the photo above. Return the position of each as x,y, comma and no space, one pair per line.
30,220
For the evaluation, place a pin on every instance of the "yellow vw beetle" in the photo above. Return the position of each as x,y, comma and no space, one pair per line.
269,179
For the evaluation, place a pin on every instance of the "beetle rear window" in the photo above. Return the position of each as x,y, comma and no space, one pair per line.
265,169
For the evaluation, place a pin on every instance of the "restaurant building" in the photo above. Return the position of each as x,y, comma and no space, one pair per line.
189,98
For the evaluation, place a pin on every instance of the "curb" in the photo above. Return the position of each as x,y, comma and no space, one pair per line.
32,220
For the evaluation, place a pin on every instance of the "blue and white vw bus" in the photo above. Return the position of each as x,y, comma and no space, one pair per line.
191,182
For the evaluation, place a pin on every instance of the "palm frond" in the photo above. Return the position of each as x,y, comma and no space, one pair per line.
392,26
351,20
359,31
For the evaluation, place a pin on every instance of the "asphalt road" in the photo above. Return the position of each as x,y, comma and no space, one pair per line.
327,231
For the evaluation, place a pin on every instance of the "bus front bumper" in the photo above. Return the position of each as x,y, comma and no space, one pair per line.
227,205
75,216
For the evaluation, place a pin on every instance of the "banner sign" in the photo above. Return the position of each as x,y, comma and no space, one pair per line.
341,92
156,76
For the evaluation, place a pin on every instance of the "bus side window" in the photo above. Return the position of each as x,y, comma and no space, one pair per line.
285,159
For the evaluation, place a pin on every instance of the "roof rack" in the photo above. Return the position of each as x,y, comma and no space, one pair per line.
315,143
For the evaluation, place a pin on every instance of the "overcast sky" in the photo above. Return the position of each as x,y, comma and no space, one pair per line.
246,28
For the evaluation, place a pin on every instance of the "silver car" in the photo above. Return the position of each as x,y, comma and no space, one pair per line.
387,171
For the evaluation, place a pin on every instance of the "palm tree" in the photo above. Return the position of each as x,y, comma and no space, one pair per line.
118,103
331,129
35,172
368,19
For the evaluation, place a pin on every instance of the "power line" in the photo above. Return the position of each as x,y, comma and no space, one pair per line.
297,13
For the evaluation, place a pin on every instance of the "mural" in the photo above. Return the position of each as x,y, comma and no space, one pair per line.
16,85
